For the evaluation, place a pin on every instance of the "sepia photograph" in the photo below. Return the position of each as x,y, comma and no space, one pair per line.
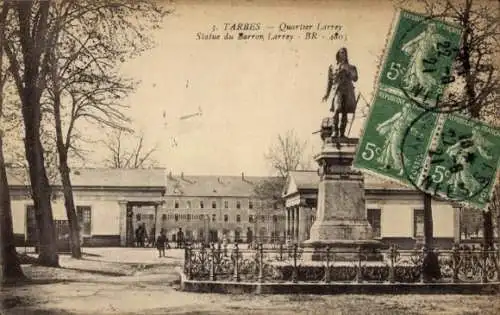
249,157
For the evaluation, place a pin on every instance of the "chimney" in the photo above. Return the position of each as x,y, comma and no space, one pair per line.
182,175
219,180
170,174
242,176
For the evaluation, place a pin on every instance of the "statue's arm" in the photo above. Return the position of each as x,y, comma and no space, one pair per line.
329,83
353,72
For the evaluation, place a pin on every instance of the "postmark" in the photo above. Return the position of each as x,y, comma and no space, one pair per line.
462,161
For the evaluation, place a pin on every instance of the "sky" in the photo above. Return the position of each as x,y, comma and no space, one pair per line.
248,91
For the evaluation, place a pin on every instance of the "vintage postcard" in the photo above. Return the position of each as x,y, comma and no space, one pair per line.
253,157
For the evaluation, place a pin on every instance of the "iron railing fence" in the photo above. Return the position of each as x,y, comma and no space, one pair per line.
293,263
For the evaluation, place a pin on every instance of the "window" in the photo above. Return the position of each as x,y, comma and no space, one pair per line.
188,204
214,204
214,217
226,218
250,204
275,218
373,217
418,223
250,218
238,218
151,217
226,204
164,217
238,204
189,217
176,217
176,204
85,219
137,217
202,205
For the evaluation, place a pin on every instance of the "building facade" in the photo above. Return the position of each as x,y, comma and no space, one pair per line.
112,203
209,208
105,199
395,212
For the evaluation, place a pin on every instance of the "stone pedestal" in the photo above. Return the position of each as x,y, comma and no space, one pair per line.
341,213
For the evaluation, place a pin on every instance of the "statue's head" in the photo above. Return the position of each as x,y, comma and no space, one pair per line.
342,56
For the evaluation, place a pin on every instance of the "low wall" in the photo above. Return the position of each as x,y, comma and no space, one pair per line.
232,287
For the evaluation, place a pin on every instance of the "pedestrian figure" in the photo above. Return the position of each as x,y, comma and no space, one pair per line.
138,236
160,243
249,238
180,238
152,233
225,244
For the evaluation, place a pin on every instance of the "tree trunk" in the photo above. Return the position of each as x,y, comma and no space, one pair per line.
69,203
11,269
428,223
488,230
430,264
40,185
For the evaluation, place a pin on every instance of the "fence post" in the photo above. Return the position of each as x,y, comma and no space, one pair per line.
359,275
219,251
484,272
203,256
294,272
190,262
236,276
281,251
392,255
261,262
212,262
455,256
422,276
185,260
327,268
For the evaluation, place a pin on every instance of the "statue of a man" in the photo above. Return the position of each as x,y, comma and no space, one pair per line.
342,77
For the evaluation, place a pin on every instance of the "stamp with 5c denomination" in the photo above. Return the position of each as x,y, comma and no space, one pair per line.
419,57
393,119
463,161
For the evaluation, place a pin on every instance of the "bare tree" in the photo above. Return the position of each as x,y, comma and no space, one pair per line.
84,83
126,150
287,154
26,47
11,269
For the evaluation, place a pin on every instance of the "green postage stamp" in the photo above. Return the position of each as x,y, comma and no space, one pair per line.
393,119
418,62
408,138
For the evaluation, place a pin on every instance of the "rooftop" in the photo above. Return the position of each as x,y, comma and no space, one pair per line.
310,180
212,185
99,177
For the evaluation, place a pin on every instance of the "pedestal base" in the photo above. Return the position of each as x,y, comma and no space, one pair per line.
343,250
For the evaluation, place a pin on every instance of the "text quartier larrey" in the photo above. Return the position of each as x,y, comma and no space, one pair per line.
283,26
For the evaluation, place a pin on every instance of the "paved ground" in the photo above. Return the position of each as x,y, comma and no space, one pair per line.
135,281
